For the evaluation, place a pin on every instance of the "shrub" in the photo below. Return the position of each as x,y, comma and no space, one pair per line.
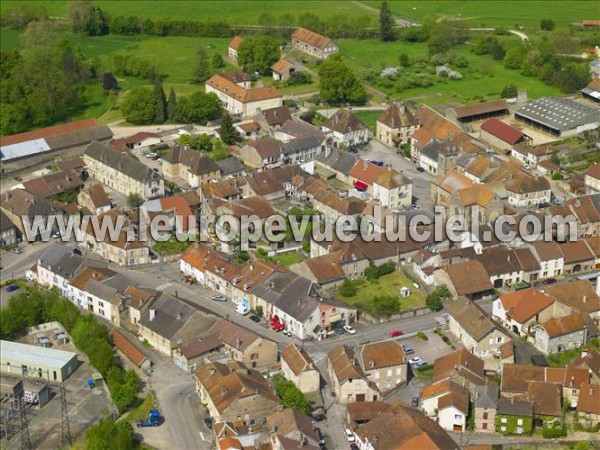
374,272
348,289
422,335
553,433
385,305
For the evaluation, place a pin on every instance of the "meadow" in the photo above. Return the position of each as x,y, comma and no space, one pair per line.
230,11
505,13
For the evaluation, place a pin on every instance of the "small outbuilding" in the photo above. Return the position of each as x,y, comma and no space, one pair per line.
36,362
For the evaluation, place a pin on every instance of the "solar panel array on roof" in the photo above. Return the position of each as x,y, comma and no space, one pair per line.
27,148
558,113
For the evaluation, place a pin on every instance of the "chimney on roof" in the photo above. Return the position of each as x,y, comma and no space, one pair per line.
584,300
224,390
577,202
584,352
238,342
211,371
152,314
372,364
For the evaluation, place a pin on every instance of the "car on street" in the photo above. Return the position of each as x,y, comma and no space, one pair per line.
339,331
208,421
406,349
414,402
348,329
254,318
420,169
396,333
218,298
349,435
377,163
550,280
353,150
17,250
12,288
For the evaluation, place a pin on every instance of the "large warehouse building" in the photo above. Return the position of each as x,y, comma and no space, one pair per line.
559,116
33,361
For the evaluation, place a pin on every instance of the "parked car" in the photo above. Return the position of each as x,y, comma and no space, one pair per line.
254,318
348,329
396,333
218,298
550,280
12,288
416,362
377,163
209,422
414,402
154,419
406,349
319,416
349,435
17,250
353,150
420,169
339,331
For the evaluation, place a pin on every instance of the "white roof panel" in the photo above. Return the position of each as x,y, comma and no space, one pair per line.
22,149
36,356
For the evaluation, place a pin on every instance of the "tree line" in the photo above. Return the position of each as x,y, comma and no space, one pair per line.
40,305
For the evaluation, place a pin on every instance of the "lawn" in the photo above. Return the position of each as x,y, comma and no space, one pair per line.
288,258
564,358
496,13
389,284
232,12
142,411
369,118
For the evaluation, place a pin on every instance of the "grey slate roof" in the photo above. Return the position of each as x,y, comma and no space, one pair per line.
230,166
300,144
198,162
62,261
558,113
121,161
299,128
296,300
486,396
5,223
171,315
338,160
79,137
22,203
511,407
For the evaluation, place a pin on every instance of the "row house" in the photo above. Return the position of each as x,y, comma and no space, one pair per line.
389,187
433,125
190,166
122,172
349,382
298,367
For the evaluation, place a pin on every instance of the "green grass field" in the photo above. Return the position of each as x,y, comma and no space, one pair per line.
232,12
505,13
369,118
389,284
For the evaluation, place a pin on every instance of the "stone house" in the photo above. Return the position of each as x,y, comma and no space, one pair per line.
298,367
262,153
395,126
346,129
313,44
383,363
559,334
94,199
191,166
349,382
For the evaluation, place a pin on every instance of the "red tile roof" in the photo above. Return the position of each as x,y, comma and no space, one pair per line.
310,37
502,131
127,348
48,131
236,42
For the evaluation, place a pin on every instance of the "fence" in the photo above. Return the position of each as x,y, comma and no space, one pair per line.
415,312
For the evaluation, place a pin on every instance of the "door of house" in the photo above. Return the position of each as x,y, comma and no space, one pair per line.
360,397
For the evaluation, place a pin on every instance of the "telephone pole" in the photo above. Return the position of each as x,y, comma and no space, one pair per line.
25,441
66,430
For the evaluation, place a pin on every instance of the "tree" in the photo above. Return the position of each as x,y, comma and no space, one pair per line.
227,131
514,56
436,299
338,83
110,435
547,24
139,106
386,23
171,105
444,35
109,82
403,60
18,16
294,398
86,19
202,69
217,61
509,91
348,289
385,305
160,115
134,200
298,78
258,54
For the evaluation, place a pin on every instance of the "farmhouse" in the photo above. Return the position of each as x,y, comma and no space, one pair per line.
346,129
240,101
34,361
313,43
558,116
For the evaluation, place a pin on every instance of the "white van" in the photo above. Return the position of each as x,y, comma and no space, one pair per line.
242,309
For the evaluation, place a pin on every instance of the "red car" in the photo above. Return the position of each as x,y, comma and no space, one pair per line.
396,333
277,326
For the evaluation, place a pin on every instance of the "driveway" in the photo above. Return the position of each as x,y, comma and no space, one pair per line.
377,151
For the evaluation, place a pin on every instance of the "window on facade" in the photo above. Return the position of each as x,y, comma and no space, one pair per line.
389,372
485,416
503,420
484,426
357,386
502,428
254,356
519,430
500,339
457,416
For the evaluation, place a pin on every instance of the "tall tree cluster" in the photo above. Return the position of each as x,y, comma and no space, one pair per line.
338,84
87,19
41,84
258,54
386,23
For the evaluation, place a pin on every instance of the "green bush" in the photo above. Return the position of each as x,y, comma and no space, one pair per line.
348,289
290,395
374,272
422,335
306,247
553,433
384,306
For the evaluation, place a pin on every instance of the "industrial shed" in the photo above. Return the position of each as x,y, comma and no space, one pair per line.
36,362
